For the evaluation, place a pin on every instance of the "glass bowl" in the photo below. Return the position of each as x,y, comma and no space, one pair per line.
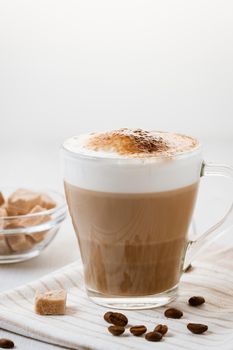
23,237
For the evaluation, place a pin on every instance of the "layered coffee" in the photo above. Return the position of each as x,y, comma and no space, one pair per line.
131,195
131,244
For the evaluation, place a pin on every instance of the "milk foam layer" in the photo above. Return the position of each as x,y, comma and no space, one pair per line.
104,169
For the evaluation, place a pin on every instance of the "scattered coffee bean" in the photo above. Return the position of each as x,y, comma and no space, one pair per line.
197,328
188,268
116,318
161,328
6,343
173,313
116,330
107,315
196,301
153,336
138,330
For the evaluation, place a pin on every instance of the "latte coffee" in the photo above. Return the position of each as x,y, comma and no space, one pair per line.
131,244
131,195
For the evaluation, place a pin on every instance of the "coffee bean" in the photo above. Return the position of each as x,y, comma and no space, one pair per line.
161,328
197,328
188,268
116,318
153,336
116,330
6,343
107,316
196,301
173,313
138,330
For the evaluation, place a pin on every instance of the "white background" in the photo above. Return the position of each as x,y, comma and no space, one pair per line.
73,66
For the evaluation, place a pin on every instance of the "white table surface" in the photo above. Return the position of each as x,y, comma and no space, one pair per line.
213,200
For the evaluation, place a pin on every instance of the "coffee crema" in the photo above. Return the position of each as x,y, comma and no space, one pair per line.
132,143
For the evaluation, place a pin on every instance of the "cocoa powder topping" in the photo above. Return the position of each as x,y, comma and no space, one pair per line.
140,143
128,141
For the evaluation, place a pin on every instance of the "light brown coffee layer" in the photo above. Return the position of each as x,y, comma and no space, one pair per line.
131,244
140,143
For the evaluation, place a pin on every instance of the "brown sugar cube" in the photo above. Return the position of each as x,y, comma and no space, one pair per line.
21,202
52,302
36,220
3,213
19,242
13,224
2,200
46,201
4,247
1,223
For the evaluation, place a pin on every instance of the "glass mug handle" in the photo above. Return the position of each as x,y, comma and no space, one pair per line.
194,247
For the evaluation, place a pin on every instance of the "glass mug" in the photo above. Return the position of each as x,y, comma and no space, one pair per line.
131,217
